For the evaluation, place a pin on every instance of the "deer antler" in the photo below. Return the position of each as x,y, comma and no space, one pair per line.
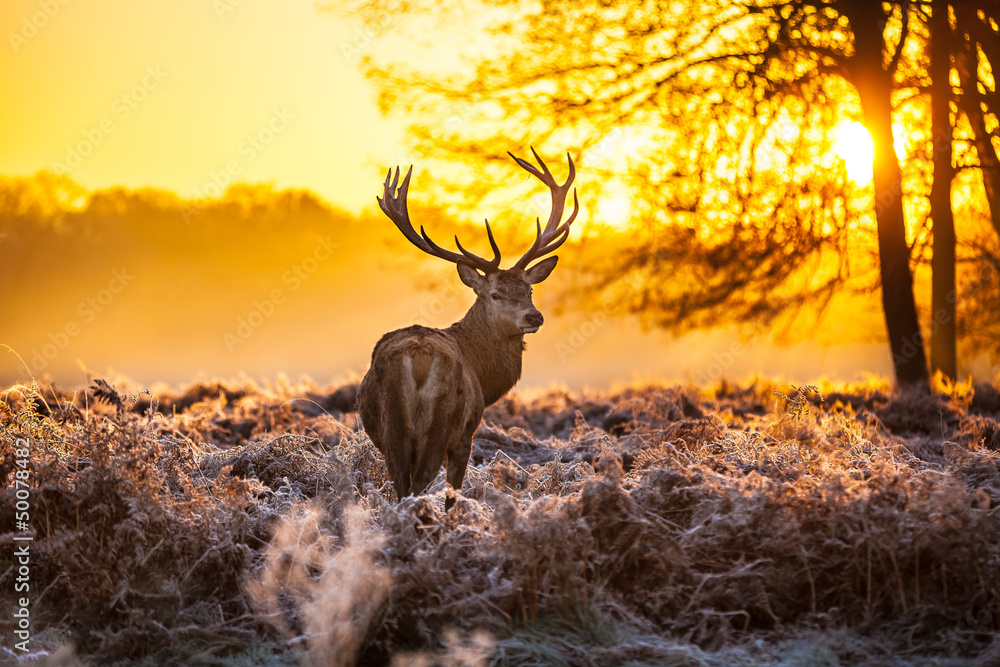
393,204
554,234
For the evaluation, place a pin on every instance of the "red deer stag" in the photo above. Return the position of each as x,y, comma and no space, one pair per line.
425,393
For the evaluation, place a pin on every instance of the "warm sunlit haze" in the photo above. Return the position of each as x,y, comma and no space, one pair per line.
190,99
179,96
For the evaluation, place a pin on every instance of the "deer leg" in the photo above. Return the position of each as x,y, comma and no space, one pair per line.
425,474
401,482
398,471
458,461
397,455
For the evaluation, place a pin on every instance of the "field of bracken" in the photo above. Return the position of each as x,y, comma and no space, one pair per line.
755,524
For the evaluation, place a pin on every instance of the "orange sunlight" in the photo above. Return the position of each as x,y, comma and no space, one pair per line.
614,208
227,155
184,96
853,144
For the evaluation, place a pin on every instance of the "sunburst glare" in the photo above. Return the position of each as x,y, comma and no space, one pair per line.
614,208
853,144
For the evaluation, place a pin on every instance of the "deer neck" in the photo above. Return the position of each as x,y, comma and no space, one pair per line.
494,358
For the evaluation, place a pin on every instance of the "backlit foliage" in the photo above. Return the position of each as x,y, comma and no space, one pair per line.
708,131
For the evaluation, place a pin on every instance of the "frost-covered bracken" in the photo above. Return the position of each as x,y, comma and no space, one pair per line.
755,524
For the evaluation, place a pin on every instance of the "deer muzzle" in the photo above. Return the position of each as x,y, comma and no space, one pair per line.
532,321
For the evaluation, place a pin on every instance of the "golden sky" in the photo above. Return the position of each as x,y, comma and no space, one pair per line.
176,94
189,97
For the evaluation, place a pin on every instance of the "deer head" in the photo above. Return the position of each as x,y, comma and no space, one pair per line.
504,295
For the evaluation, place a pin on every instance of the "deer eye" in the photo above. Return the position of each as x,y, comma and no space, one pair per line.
496,297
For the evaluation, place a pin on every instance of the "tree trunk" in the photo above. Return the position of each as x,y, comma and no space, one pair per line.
977,34
943,348
874,85
989,165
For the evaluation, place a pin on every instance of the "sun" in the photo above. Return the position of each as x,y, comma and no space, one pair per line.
615,208
853,144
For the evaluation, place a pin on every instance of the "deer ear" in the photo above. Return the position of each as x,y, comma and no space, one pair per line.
470,277
541,271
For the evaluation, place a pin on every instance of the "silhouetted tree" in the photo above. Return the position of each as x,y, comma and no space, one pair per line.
873,80
742,215
944,355
975,50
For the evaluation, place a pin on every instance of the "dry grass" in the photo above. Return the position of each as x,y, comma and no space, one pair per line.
758,524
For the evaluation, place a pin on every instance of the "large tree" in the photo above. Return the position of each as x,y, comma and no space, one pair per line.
944,354
725,110
975,53
873,79
976,50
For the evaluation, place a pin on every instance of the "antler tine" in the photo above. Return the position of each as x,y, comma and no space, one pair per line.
561,233
494,264
393,204
554,234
